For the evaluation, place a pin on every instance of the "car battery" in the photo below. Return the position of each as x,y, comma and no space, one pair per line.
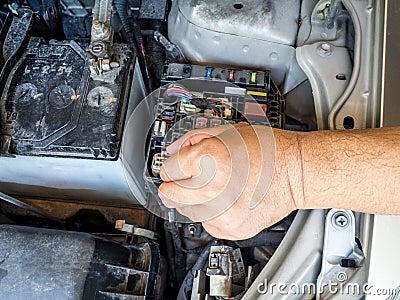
51,105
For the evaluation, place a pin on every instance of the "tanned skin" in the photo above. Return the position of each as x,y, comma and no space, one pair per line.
352,169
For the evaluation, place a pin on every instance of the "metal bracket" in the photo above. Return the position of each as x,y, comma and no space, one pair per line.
226,271
134,230
172,51
101,40
341,255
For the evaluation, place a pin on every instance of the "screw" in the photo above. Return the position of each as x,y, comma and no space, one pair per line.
341,220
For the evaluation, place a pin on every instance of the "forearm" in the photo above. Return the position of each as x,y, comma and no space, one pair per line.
357,169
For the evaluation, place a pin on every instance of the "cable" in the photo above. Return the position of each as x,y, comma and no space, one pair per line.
179,91
134,36
26,206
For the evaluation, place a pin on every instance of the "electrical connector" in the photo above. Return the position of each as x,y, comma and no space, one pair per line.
158,160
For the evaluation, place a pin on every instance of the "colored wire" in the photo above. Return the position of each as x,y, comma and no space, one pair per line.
179,91
216,109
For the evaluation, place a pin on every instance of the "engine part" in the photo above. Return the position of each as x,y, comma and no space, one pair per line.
52,264
173,52
341,256
256,34
51,108
77,19
49,11
201,103
77,8
332,11
305,237
134,37
225,271
345,110
320,61
15,38
225,275
134,230
257,84
101,38
38,211
153,9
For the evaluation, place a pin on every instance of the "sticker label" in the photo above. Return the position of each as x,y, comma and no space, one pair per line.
235,90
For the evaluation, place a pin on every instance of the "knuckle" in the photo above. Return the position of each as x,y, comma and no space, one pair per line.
208,146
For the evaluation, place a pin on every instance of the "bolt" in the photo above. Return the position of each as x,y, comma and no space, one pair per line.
98,48
341,220
325,49
192,229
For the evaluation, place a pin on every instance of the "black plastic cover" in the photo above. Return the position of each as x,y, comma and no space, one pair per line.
53,264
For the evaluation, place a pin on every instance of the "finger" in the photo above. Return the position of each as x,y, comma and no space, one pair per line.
174,195
181,165
195,136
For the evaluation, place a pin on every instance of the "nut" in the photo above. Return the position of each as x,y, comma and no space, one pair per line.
98,48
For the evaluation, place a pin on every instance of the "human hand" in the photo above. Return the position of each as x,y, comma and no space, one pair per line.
226,178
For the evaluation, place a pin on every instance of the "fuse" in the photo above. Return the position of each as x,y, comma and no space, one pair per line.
215,122
253,77
231,76
209,72
187,126
158,160
201,122
168,115
163,128
156,127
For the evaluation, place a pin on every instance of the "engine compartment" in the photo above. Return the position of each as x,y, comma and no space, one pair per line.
76,136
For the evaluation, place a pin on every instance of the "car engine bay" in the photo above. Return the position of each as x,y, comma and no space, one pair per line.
92,91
